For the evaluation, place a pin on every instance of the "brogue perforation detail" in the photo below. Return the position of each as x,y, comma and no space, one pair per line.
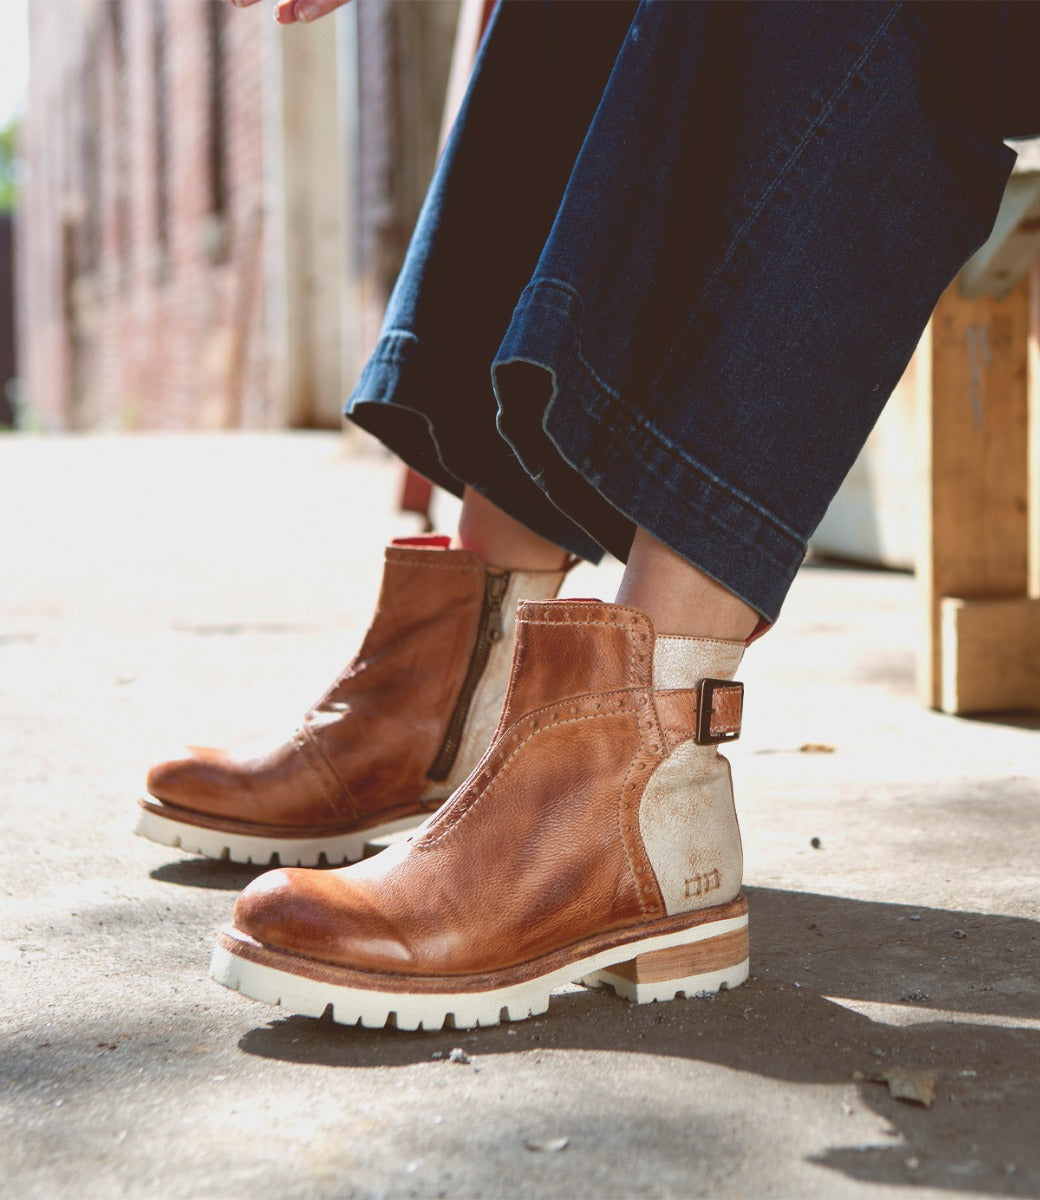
645,761
634,623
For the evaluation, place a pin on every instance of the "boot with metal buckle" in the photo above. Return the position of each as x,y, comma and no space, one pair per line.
596,841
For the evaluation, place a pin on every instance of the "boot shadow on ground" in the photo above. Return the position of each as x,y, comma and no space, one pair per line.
838,987
209,873
218,874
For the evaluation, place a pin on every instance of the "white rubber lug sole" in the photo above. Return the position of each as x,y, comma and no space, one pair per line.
262,851
374,1009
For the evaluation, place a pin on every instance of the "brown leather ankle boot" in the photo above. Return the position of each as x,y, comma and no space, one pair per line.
389,741
595,841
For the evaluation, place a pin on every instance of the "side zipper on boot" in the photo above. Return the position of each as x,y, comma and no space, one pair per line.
489,631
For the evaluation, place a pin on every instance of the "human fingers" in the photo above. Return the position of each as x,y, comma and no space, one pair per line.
287,12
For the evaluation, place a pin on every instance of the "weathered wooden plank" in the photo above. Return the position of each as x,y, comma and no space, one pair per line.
1009,251
990,655
1033,451
974,404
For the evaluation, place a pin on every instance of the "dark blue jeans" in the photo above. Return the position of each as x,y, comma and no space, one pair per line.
676,256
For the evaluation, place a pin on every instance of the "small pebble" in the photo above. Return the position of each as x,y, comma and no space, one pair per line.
959,933
815,843
458,1055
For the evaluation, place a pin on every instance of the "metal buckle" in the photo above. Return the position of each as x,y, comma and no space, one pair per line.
704,735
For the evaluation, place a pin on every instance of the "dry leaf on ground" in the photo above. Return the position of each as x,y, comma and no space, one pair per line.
904,1083
548,1145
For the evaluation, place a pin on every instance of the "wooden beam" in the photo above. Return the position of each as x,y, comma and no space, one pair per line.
1033,452
1009,251
990,655
974,405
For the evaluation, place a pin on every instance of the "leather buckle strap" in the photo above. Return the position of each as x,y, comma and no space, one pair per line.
719,710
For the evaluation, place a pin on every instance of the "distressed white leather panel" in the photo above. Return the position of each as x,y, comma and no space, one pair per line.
689,828
490,693
682,662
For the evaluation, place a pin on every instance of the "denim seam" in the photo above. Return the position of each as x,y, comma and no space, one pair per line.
548,282
675,453
788,166
720,523
680,456
715,520
395,346
398,354
396,349
392,405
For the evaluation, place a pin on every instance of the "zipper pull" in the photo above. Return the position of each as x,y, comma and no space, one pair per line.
496,586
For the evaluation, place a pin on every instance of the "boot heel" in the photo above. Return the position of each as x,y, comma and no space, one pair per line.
691,969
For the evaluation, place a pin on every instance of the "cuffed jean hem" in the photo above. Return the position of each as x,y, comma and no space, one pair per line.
601,461
391,401
709,286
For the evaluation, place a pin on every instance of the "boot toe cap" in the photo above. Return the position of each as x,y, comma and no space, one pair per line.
194,780
290,909
322,915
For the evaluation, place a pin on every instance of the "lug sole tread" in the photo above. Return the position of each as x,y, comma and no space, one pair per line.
250,849
714,959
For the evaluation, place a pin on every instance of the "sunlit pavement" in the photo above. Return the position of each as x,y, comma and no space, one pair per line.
161,589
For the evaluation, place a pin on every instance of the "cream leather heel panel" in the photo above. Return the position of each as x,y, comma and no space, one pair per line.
689,829
682,662
486,706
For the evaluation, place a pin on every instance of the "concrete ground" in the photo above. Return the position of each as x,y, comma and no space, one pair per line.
155,589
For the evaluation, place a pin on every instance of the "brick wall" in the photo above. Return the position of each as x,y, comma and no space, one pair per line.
185,164
142,219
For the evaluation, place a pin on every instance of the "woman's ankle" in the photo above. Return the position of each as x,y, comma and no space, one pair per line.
502,541
679,598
